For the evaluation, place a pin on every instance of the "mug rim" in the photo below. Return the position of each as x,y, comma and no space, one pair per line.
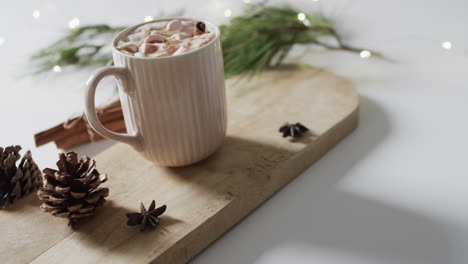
131,28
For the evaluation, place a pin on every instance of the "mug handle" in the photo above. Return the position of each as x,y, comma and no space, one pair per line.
124,75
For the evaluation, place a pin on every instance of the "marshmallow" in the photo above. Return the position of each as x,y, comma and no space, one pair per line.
174,25
147,48
188,30
188,23
184,47
176,36
201,40
136,36
129,47
157,25
155,39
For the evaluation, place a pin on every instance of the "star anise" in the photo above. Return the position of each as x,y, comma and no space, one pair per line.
146,218
293,130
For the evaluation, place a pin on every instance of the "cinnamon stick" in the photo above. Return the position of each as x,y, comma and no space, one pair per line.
107,114
102,113
59,132
83,137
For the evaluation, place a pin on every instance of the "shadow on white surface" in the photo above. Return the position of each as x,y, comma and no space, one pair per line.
352,228
93,149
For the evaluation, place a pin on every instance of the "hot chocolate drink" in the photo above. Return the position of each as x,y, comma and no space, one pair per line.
168,38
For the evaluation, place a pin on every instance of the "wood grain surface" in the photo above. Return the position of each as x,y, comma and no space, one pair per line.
206,199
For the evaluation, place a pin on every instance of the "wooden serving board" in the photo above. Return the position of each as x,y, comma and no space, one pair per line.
203,200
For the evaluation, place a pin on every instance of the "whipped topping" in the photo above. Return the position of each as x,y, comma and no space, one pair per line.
162,39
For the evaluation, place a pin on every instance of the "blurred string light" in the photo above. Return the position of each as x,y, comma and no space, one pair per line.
2,41
74,23
149,18
446,45
56,68
36,14
228,12
301,16
365,54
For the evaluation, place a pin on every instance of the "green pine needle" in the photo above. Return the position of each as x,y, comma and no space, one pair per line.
265,35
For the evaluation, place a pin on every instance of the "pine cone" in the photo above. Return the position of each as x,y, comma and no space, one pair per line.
16,182
73,191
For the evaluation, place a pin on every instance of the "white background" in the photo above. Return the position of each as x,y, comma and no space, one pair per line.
395,191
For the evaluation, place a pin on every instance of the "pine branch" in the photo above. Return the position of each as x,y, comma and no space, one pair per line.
265,35
81,47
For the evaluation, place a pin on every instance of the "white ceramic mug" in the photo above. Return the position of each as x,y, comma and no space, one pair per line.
174,107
